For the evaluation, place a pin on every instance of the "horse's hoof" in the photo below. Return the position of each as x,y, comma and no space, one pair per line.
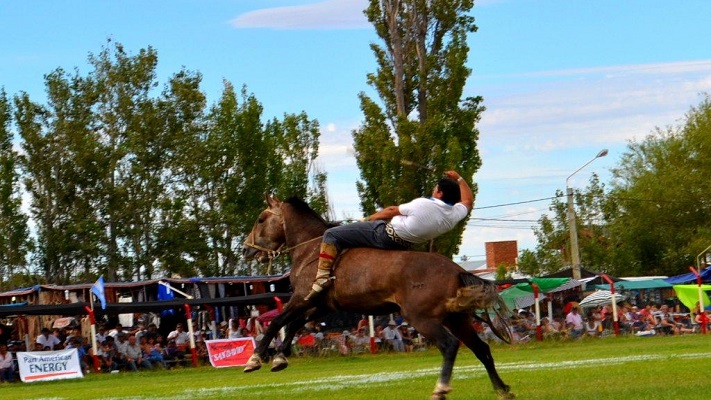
279,362
253,364
505,394
440,392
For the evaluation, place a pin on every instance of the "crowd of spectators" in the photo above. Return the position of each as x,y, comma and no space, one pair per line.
394,335
578,322
144,348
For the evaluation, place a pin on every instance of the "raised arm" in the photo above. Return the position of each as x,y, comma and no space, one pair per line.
466,191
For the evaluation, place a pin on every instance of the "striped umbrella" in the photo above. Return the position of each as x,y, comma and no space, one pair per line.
601,298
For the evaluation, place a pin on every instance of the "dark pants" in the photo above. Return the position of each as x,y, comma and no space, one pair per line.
7,375
362,234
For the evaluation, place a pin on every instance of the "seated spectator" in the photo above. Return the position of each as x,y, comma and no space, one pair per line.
101,334
548,329
181,338
344,343
305,343
60,334
172,353
76,342
393,337
118,328
361,342
151,332
150,352
15,344
524,326
574,323
379,335
234,331
76,331
667,325
407,337
593,327
701,318
7,367
47,340
108,354
133,355
638,321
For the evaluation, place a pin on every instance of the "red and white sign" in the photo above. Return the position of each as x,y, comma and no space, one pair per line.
230,352
49,365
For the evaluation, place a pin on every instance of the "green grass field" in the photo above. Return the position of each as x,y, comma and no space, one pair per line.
627,368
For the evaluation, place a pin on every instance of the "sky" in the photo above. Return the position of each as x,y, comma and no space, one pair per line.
561,80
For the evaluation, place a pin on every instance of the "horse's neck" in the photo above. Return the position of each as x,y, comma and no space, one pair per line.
303,237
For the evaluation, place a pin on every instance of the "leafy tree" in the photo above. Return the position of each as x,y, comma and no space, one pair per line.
661,190
14,235
128,182
654,220
423,126
552,251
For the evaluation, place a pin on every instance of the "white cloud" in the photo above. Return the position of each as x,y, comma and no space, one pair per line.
330,14
609,104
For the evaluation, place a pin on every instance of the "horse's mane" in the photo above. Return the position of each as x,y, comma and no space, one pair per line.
303,208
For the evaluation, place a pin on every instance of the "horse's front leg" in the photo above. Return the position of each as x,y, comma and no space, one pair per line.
289,315
279,362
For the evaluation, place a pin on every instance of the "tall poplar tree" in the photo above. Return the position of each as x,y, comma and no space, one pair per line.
14,237
422,125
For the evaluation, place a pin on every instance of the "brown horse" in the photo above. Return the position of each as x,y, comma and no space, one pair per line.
434,294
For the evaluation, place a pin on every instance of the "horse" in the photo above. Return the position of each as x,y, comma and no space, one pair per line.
434,294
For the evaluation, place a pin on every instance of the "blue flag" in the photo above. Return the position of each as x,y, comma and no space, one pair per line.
98,289
165,293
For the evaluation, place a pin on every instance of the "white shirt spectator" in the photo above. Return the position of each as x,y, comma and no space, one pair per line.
179,335
47,340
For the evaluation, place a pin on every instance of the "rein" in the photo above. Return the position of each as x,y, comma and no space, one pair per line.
272,254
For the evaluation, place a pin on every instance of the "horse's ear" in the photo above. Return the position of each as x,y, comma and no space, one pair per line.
272,201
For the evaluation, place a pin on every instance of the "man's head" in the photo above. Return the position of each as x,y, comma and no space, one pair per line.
132,340
448,191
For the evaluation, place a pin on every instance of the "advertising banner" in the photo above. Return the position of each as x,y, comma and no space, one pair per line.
230,352
49,365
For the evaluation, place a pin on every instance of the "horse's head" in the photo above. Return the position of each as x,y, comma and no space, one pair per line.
267,235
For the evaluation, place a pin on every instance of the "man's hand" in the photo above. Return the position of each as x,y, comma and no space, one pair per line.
454,175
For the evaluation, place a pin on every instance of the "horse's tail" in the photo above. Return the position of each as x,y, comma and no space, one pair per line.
476,293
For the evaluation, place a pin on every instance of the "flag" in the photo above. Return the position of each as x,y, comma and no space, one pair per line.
98,289
165,293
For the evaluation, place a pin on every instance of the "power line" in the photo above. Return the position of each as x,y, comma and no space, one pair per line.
504,220
517,203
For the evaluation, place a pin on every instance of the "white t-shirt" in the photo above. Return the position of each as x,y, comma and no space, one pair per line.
426,218
180,337
48,341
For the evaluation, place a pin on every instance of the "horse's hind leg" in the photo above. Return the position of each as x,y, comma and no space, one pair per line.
448,345
462,327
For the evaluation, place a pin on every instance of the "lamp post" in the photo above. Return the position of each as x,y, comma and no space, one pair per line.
574,250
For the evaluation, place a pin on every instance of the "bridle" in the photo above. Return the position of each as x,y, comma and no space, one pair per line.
272,254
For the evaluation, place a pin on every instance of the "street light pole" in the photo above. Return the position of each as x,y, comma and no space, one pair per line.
574,249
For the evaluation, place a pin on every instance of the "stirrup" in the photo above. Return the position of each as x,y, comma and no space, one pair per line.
323,286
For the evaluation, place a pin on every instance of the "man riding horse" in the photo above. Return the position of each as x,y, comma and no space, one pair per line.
411,223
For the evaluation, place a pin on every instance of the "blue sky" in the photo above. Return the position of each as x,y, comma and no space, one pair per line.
561,79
